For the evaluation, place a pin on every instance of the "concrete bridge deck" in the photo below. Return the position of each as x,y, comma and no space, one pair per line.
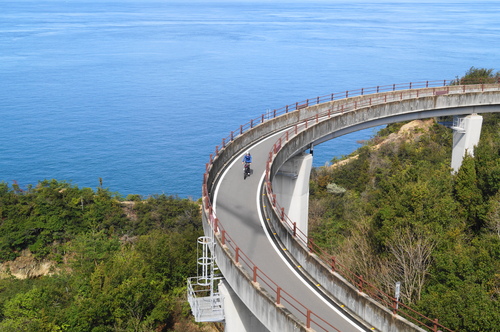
238,201
237,212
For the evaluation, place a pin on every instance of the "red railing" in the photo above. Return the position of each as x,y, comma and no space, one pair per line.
258,276
342,95
407,92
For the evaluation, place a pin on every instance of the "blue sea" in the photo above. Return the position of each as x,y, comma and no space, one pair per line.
139,92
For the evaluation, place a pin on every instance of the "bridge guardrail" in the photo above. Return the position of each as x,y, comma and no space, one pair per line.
364,286
350,104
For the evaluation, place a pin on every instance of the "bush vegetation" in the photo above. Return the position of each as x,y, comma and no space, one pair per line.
122,266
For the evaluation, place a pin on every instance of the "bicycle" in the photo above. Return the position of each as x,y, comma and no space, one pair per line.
246,170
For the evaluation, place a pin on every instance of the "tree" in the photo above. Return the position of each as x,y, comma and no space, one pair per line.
468,194
410,262
478,75
493,216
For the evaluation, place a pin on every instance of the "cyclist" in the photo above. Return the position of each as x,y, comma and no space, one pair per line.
247,158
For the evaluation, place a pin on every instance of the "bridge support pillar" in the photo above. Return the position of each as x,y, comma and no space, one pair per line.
291,186
238,318
466,133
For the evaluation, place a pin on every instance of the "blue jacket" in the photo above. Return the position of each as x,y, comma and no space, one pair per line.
247,158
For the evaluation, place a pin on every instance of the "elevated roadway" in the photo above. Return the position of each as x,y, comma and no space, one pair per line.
268,263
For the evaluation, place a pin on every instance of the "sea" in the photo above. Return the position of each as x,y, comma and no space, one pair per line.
137,93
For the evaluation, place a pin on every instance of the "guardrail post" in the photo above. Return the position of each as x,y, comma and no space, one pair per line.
274,113
286,109
394,87
262,121
251,123
333,263
223,143
278,295
317,118
216,225
282,213
310,244
216,150
360,284
332,97
287,135
237,258
362,91
347,94
426,84
308,323
294,229
211,158
255,273
241,129
435,328
378,89
223,237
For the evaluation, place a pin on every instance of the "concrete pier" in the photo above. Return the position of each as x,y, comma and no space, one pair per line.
466,133
291,186
238,317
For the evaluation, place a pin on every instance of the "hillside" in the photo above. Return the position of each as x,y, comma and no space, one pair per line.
393,211
86,260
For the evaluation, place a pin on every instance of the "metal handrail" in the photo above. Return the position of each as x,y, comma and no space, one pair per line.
241,258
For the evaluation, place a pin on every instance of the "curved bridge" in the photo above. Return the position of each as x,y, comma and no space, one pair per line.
266,259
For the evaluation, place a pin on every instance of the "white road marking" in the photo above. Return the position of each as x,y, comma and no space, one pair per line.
292,268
